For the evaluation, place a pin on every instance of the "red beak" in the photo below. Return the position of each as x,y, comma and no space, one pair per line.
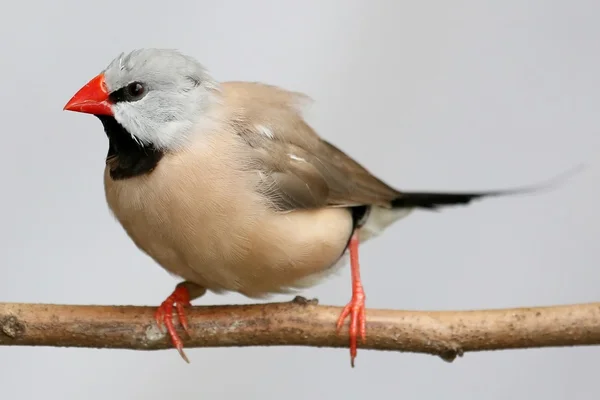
91,99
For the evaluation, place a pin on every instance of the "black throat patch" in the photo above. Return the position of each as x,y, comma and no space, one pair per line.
127,158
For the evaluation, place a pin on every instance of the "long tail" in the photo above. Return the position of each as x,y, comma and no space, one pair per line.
435,200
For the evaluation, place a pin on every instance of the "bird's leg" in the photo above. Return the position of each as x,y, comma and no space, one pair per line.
356,307
181,297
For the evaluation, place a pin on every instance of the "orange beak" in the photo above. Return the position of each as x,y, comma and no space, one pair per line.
91,99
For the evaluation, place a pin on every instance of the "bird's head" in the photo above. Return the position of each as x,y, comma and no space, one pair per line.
156,95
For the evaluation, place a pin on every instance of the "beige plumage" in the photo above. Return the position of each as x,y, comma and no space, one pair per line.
228,187
210,214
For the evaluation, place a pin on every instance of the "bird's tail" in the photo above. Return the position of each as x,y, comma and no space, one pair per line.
379,218
435,200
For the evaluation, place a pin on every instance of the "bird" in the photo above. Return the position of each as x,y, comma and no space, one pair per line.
228,187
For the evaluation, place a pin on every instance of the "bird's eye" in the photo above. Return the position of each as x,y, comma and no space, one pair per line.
135,91
132,92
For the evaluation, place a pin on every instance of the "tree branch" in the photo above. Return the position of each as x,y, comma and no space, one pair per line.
302,323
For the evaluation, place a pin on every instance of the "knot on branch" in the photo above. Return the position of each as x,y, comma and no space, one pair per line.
451,352
304,301
12,327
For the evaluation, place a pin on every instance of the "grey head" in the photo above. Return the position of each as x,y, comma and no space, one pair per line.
159,95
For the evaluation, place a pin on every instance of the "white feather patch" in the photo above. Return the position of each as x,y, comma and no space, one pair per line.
295,157
263,130
379,219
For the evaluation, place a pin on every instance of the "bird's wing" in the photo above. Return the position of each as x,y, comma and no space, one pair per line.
297,168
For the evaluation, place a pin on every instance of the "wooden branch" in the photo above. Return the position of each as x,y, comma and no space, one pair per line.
302,323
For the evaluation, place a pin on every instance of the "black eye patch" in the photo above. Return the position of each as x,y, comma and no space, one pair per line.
130,93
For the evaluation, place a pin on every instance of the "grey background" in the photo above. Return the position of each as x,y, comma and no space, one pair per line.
428,95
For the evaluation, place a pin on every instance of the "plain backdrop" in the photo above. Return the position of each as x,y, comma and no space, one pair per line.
439,95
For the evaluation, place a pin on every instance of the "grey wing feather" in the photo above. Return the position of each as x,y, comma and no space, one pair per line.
312,174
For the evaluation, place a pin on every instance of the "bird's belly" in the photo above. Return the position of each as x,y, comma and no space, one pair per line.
227,243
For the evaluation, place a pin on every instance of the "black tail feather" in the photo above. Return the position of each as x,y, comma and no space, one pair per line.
433,200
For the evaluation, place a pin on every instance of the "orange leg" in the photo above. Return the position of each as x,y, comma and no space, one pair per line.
179,299
356,307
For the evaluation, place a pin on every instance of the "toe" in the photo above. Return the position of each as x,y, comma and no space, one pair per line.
343,315
362,324
182,318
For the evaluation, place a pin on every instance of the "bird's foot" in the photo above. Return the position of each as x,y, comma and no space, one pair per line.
356,310
179,299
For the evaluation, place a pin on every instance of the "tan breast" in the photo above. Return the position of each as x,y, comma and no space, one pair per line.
197,215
